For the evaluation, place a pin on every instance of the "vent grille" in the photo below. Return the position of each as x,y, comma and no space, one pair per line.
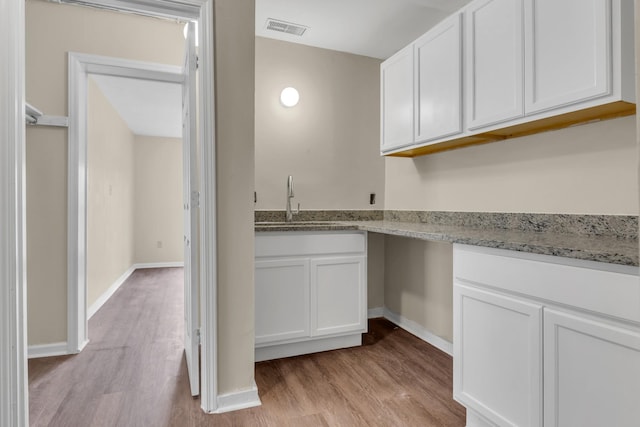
286,27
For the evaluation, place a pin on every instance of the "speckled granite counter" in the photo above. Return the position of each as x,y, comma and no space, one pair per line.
610,239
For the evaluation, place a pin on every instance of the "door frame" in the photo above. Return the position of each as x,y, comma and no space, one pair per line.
81,66
14,406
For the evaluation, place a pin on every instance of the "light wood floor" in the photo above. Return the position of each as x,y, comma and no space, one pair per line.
133,373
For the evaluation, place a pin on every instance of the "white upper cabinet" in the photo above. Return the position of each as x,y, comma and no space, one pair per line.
494,62
501,69
438,73
568,52
396,91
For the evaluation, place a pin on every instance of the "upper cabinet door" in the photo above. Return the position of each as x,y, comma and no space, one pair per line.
396,79
567,51
438,62
494,62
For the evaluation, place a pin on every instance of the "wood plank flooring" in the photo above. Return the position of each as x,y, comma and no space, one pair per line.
133,373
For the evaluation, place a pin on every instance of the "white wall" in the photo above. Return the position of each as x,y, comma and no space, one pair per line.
587,169
110,195
234,86
158,213
329,141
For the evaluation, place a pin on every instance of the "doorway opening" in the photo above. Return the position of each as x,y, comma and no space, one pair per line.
200,11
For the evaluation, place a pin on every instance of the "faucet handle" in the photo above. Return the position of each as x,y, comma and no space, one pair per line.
297,211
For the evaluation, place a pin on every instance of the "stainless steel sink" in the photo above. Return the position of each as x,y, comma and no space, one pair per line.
293,223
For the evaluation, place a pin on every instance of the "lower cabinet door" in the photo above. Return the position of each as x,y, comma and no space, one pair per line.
281,300
497,363
591,372
338,295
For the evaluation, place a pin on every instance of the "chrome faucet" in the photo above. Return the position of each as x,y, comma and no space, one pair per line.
290,213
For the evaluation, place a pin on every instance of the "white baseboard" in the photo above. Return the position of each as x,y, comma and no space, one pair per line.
419,331
375,312
158,265
47,350
109,292
278,351
241,399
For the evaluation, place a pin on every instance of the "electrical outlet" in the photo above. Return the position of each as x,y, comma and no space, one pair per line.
159,244
372,198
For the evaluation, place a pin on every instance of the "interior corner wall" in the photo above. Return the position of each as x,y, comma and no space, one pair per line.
586,169
110,195
52,30
375,270
234,88
158,213
329,142
418,283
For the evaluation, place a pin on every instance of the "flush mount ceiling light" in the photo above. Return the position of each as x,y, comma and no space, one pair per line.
289,97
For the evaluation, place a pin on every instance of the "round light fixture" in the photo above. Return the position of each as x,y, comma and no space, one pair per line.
289,97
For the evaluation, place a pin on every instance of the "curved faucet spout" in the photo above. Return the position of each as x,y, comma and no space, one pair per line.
289,212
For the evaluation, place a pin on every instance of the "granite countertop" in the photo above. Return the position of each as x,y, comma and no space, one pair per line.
594,246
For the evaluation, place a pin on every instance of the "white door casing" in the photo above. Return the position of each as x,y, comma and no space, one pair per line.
14,407
80,67
191,198
200,11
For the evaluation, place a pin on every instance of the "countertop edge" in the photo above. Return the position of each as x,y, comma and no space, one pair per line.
583,247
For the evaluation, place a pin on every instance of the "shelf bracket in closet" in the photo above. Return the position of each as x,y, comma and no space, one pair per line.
35,117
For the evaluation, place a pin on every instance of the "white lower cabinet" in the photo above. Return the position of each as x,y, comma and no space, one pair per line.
498,356
592,372
545,341
310,292
282,289
338,295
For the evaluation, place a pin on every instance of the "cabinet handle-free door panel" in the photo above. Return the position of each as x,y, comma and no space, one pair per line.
339,290
498,356
281,300
494,62
397,100
568,52
438,62
591,372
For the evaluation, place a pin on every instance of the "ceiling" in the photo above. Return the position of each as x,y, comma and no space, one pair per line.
375,28
149,108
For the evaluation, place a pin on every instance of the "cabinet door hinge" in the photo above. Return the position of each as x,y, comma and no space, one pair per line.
195,199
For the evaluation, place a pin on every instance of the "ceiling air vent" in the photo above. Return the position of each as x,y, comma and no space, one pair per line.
286,27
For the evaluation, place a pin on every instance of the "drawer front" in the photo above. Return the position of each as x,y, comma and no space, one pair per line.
603,288
302,243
